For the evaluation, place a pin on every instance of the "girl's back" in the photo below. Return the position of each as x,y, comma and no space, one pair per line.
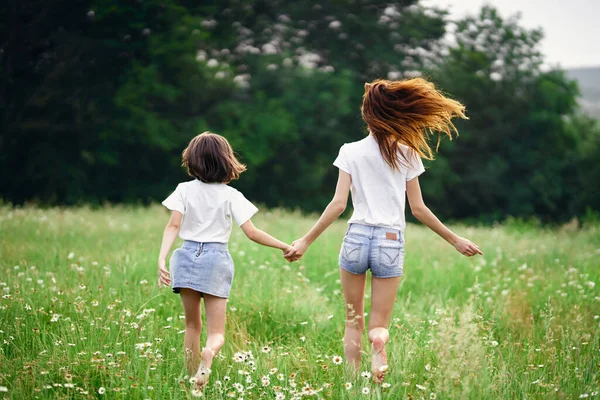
208,209
378,191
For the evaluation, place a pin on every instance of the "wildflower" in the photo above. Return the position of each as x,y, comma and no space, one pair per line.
238,357
280,377
366,374
366,391
101,390
197,393
266,349
337,360
432,396
273,371
265,380
494,343
386,385
69,385
239,387
420,387
428,367
279,396
3,389
348,385
192,380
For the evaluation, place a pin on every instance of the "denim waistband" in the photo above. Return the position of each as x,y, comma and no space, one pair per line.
373,231
198,246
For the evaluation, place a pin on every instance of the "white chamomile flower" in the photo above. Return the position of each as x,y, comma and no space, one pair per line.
366,390
197,393
337,360
348,385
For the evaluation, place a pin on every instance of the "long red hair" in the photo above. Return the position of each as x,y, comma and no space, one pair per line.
407,112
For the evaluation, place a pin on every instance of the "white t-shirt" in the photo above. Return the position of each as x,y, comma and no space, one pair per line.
207,210
378,191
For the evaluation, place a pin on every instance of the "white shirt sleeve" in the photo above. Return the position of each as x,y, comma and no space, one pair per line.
241,208
176,201
342,161
416,167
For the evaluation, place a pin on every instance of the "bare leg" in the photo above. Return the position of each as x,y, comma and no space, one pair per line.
190,299
353,287
383,295
215,308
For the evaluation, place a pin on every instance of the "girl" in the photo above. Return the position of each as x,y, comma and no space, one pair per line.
379,170
202,213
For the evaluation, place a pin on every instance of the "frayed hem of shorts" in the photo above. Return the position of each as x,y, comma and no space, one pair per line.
388,276
352,272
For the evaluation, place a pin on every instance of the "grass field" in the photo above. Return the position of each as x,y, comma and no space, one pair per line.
81,315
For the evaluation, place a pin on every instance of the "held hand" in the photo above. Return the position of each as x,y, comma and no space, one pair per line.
300,246
290,254
466,247
164,276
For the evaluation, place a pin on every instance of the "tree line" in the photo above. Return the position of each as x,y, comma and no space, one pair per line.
97,100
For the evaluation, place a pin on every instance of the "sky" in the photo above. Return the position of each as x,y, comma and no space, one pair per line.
571,27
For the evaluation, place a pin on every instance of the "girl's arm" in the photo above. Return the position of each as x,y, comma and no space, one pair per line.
424,214
169,236
335,208
261,237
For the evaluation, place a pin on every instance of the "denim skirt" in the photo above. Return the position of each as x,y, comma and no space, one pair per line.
203,267
372,247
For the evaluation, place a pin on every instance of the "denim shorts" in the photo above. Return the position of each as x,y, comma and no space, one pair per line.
203,267
373,247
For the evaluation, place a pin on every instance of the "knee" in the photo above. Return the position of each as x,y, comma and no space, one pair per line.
353,319
193,325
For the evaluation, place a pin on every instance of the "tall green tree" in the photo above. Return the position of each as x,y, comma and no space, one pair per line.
511,156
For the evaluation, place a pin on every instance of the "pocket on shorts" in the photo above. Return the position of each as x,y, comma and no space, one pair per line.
391,255
351,250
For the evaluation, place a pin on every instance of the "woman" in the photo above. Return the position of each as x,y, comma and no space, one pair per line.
381,170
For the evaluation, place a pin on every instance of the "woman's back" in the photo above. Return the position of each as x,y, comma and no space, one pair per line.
378,191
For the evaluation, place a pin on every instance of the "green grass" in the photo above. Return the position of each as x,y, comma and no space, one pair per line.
520,322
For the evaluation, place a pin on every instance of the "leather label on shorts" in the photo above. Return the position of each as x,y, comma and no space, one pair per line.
391,236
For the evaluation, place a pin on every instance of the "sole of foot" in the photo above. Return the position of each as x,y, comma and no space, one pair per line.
203,374
379,365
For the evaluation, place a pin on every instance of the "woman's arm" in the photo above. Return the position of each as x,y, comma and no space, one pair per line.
261,237
424,214
169,236
335,208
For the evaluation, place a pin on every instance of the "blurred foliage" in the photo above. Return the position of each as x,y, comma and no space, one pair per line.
98,99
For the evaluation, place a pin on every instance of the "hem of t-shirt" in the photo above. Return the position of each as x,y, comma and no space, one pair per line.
341,167
416,175
350,221
171,207
246,219
204,240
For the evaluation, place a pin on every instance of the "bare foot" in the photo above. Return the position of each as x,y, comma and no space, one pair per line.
378,360
206,359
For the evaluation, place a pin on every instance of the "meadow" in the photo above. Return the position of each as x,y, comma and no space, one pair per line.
81,315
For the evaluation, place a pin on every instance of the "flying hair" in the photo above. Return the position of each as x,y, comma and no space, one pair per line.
408,112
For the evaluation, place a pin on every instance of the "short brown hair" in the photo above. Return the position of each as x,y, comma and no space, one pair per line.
406,112
210,158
